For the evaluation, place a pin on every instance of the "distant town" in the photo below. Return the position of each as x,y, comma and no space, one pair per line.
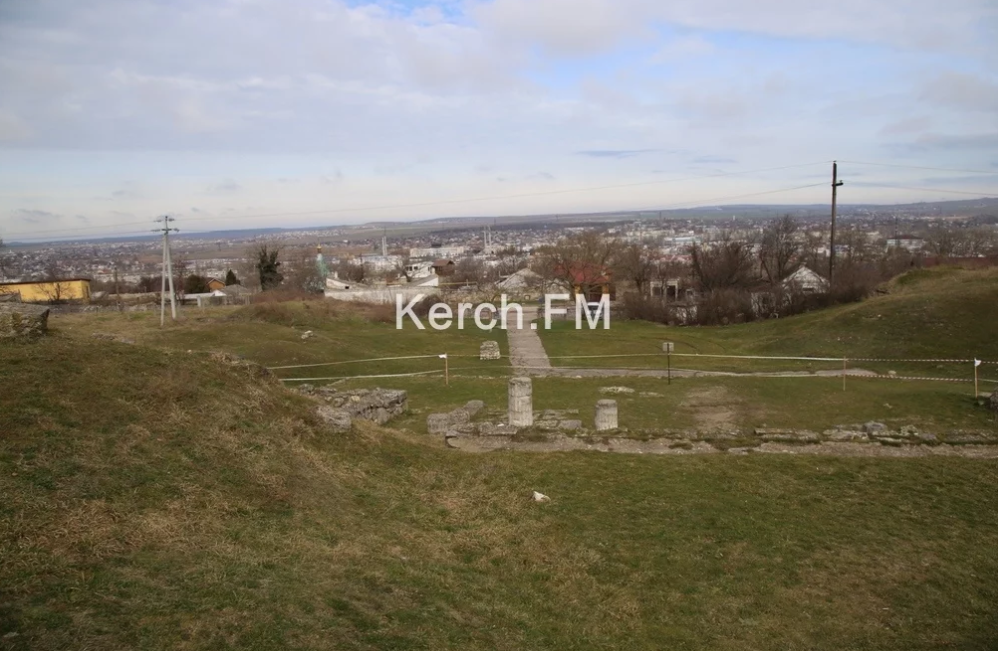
357,262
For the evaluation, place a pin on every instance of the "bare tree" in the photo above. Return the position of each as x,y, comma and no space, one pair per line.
355,273
635,263
726,264
469,271
3,260
584,259
303,273
779,248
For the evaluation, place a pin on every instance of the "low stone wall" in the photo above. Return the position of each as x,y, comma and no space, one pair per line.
340,408
23,320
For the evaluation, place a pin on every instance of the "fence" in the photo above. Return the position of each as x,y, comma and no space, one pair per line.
666,357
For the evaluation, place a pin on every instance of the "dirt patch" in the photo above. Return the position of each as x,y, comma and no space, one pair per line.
713,408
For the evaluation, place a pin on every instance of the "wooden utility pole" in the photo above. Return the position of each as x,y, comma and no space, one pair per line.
167,271
831,239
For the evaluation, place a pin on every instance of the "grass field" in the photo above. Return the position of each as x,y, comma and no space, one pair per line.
937,314
155,499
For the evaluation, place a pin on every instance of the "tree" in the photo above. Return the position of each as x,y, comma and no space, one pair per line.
267,264
635,263
230,278
780,248
180,265
468,271
3,260
196,284
350,272
726,264
583,259
149,284
303,273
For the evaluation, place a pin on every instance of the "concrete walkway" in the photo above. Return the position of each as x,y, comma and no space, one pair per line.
526,352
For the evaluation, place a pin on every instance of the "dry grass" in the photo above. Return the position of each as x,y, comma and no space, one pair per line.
158,499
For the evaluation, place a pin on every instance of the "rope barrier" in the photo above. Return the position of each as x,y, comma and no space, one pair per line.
351,361
357,377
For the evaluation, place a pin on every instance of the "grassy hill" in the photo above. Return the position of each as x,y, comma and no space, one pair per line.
154,498
939,314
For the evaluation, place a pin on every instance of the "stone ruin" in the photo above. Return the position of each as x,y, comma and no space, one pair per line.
489,350
340,408
459,429
23,320
522,428
606,415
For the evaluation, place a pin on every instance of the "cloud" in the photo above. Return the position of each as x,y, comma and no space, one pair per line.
227,186
362,99
32,216
614,153
962,90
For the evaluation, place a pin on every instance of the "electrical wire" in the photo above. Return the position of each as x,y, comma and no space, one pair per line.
920,167
978,194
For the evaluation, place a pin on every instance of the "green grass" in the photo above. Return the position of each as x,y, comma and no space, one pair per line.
710,403
156,499
937,314
270,334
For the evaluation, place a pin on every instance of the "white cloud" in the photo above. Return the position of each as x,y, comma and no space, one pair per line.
366,100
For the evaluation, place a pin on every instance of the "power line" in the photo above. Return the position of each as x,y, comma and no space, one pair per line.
902,187
921,167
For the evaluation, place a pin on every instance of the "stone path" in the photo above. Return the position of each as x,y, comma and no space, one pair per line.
526,352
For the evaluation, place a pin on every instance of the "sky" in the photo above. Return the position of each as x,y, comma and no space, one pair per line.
279,113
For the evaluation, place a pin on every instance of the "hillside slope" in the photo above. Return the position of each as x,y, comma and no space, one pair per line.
939,313
169,500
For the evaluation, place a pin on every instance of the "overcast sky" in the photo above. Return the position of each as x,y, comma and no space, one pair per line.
222,111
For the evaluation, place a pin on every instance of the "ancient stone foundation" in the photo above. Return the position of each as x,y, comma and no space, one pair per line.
521,411
606,415
20,320
489,350
376,405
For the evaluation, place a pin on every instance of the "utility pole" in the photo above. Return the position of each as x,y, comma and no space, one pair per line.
117,288
167,271
831,239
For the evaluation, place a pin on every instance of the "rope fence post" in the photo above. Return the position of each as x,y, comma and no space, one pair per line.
977,363
446,370
844,373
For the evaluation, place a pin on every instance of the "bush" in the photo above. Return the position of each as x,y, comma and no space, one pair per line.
644,308
724,306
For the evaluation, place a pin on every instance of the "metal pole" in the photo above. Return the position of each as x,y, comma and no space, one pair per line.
668,361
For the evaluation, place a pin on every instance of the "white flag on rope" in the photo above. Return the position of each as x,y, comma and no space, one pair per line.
977,362
444,356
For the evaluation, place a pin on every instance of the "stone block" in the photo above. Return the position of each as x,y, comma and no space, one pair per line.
606,415
521,412
23,320
489,350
